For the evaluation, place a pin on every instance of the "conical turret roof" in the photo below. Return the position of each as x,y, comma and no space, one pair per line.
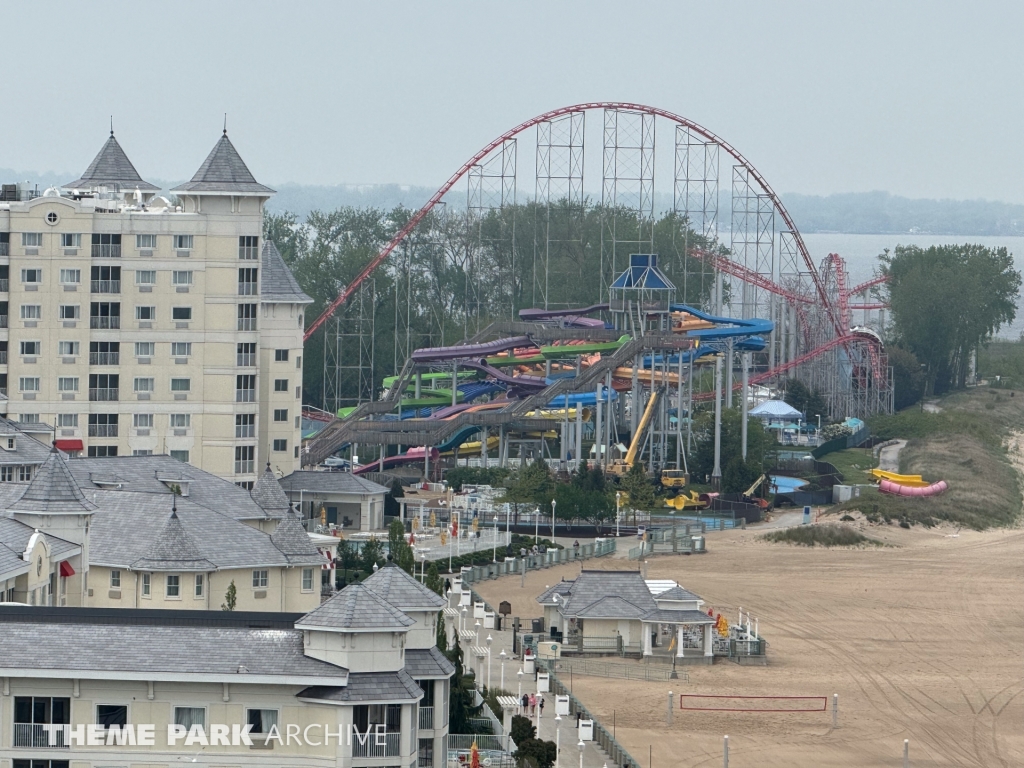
291,538
111,168
267,493
173,550
277,283
224,171
53,490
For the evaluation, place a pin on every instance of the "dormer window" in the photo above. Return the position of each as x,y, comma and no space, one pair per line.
9,443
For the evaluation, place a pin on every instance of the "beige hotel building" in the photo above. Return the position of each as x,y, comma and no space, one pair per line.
138,324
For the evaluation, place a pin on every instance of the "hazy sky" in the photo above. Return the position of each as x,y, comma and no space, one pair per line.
921,99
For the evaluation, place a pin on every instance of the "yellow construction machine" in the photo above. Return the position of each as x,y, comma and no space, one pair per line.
620,467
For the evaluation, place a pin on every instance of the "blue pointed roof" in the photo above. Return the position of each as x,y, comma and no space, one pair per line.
643,274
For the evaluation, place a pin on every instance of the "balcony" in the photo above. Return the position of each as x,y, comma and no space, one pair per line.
103,430
106,286
246,360
5,285
247,323
34,735
105,322
103,394
373,745
104,358
426,717
103,251
245,430
247,289
5,249
244,467
245,395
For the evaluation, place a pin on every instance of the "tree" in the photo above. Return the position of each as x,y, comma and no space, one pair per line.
638,486
460,697
522,729
737,475
946,301
433,580
535,752
348,559
532,483
808,402
372,554
908,378
391,506
230,598
399,549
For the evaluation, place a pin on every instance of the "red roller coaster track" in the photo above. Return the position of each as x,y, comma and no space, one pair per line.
833,314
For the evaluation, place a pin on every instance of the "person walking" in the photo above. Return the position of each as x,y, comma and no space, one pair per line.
541,704
525,704
533,704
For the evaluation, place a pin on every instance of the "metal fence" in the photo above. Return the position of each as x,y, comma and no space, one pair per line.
547,559
602,668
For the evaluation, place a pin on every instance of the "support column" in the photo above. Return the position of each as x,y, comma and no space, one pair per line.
745,396
730,363
608,418
579,433
716,473
646,629
599,409
679,641
709,630
455,383
484,433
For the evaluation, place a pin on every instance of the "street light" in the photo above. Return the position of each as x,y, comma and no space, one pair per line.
581,746
618,501
536,525
423,567
819,421
519,698
558,735
495,538
553,503
502,656
465,610
489,641
478,625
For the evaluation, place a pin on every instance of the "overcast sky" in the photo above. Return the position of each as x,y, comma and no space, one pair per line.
919,99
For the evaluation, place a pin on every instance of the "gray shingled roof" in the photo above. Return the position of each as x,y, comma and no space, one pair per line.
593,586
561,588
291,538
355,607
677,593
111,168
223,170
277,283
144,474
53,489
329,482
27,448
368,686
610,607
267,493
14,537
173,550
403,591
424,663
163,652
678,617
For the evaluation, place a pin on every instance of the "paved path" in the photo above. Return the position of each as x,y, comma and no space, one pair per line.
889,456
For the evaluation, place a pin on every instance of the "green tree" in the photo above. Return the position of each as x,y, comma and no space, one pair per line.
532,483
737,475
391,506
433,580
460,697
399,549
536,752
908,378
946,301
230,598
640,489
371,555
522,729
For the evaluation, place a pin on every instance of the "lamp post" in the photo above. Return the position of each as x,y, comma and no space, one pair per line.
502,656
618,501
558,739
495,538
519,698
423,567
465,610
508,526
581,746
489,641
536,525
478,625
553,503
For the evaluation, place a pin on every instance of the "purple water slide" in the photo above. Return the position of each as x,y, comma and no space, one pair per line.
412,456
519,382
554,314
434,354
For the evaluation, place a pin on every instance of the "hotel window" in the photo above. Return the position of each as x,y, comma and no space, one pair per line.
70,312
245,458
307,579
199,585
70,276
142,420
245,425
24,474
110,714
245,388
145,242
31,239
280,385
142,452
246,353
248,247
181,385
280,414
68,240
260,579
29,383
145,314
181,420
147,585
248,278
247,317
181,456
181,348
67,348
102,451
144,348
181,313
173,585
280,355
145,277
67,384
189,716
144,384
31,312
67,420
7,474
261,720
181,277
106,246
115,579
280,445
32,276
30,348
183,242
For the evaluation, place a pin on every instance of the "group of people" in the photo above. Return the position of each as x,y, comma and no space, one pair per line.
531,704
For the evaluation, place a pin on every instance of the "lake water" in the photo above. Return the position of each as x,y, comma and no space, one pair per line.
861,255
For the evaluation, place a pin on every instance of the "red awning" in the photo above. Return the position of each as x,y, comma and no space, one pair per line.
69,445
66,569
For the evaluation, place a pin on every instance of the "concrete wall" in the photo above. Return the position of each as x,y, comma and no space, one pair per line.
358,651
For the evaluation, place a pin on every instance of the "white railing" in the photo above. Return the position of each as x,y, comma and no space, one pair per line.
386,745
35,736
426,717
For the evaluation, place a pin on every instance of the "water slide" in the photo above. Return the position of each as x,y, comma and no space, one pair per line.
439,354
535,383
910,481
412,456
897,489
575,318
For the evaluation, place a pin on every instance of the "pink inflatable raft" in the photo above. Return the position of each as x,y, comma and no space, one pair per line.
888,486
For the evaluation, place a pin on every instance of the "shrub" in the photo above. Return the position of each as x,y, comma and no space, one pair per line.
826,535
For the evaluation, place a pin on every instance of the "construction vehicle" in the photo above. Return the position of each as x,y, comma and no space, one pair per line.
749,493
674,478
682,501
620,467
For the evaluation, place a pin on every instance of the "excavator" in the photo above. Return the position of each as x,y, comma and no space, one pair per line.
620,467
749,493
